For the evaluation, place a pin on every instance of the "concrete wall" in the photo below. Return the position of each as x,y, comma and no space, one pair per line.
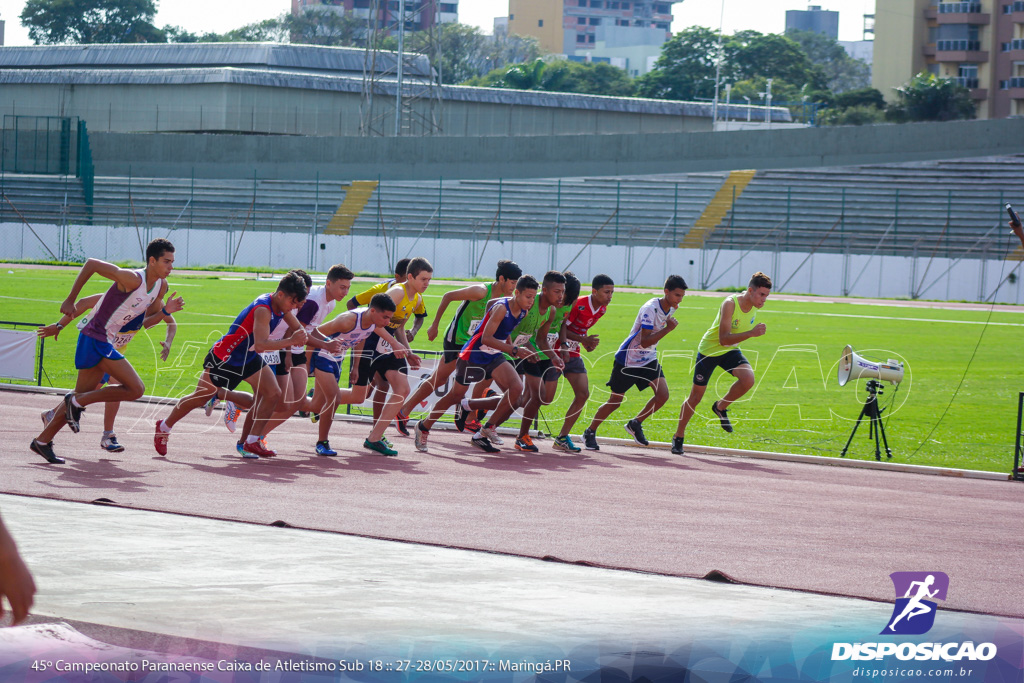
822,274
347,158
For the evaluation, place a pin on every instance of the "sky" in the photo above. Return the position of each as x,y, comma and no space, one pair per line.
199,16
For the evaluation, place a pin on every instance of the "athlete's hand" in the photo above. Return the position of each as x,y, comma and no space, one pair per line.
298,337
165,351
671,322
414,361
50,330
68,307
1018,229
353,375
591,341
174,304
557,362
333,346
409,336
759,329
432,332
16,582
563,355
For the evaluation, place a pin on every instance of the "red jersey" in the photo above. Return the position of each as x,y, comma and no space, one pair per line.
581,318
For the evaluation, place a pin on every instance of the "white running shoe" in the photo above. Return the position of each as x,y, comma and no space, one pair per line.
231,414
491,434
211,404
110,444
47,415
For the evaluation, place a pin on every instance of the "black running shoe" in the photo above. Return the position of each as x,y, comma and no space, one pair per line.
677,445
723,417
72,412
402,423
636,430
461,414
484,444
46,450
590,440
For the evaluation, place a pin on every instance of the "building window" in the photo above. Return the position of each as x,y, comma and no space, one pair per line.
581,20
449,7
581,37
663,26
590,38
625,5
540,23
613,5
595,21
597,3
361,4
511,17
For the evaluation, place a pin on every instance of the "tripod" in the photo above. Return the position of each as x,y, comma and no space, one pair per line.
873,414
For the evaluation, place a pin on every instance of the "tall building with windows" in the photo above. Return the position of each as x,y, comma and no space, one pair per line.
814,19
421,14
979,43
576,27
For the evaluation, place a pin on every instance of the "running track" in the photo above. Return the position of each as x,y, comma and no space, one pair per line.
830,530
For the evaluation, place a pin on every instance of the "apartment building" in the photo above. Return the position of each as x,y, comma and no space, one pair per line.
420,14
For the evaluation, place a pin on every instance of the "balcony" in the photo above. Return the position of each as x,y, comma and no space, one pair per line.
972,85
1016,7
962,13
960,51
1014,86
1016,45
959,8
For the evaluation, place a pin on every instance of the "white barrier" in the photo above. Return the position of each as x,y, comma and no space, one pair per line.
18,354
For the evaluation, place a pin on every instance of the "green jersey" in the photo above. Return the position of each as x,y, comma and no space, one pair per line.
741,322
525,333
467,319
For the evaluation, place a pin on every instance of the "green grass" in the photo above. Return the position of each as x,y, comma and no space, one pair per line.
796,407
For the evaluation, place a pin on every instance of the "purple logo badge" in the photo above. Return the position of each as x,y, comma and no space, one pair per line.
916,592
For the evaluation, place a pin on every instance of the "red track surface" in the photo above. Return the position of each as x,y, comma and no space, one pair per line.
824,529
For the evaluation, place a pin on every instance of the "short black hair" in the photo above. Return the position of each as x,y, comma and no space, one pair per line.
675,282
509,270
383,302
402,267
526,282
339,272
601,280
572,288
292,284
157,248
305,278
417,266
759,279
553,277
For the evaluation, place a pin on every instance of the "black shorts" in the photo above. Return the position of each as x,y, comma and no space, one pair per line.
705,365
230,376
541,368
467,373
372,363
451,350
641,376
575,366
298,361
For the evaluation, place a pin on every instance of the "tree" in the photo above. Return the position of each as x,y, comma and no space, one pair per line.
54,22
505,49
321,25
862,97
857,115
594,78
842,72
685,70
930,98
749,54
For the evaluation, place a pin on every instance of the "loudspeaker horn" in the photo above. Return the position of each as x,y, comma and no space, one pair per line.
853,366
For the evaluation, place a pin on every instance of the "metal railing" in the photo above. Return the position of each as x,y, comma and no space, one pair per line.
958,46
959,8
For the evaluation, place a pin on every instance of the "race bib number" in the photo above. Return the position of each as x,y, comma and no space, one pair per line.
383,346
474,325
571,345
552,339
121,340
271,357
521,340
484,348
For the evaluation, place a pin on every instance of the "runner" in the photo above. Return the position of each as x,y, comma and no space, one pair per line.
636,363
238,357
719,348
584,314
483,358
108,441
133,294
463,326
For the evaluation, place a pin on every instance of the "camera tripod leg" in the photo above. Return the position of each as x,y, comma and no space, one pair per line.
854,432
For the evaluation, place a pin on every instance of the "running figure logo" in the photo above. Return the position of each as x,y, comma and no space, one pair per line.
914,612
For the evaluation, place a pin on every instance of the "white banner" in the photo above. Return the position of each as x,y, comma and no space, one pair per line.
18,354
416,378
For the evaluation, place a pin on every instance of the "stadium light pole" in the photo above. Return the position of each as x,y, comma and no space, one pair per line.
401,63
718,69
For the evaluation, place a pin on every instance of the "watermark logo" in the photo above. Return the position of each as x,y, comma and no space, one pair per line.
916,593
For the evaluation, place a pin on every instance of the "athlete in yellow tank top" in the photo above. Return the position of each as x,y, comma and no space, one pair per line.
719,348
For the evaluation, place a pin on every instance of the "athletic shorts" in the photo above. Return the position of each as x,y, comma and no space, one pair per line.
327,364
230,376
541,368
451,350
467,373
379,364
705,365
90,352
575,366
640,376
298,361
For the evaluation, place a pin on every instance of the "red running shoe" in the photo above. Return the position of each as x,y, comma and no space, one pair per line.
160,439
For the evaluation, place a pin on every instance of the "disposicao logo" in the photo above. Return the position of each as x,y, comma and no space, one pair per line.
916,592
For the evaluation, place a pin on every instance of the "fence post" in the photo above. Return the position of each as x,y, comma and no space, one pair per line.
949,214
896,220
675,217
192,198
618,195
316,220
500,183
842,222
380,227
440,199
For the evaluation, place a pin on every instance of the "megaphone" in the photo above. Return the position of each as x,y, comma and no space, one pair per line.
852,366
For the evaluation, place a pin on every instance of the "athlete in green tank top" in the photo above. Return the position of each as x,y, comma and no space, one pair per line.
719,348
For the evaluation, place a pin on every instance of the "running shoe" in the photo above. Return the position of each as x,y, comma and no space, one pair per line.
402,422
483,444
380,447
46,450
160,439
564,443
677,445
47,415
231,413
324,448
270,453
72,412
636,430
387,442
723,417
211,404
421,438
255,449
590,440
482,414
473,425
461,414
240,447
525,443
314,417
491,434
110,444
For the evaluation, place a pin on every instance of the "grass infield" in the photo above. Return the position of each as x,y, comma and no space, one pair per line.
796,406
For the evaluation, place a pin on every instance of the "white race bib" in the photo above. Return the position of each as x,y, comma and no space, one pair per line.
484,348
571,345
121,340
271,357
521,340
383,346
474,325
552,339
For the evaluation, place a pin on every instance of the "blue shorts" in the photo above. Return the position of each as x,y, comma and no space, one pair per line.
90,352
326,364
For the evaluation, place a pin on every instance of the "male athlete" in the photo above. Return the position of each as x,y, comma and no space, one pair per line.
719,348
463,326
636,363
349,329
133,294
483,357
584,314
108,441
238,357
